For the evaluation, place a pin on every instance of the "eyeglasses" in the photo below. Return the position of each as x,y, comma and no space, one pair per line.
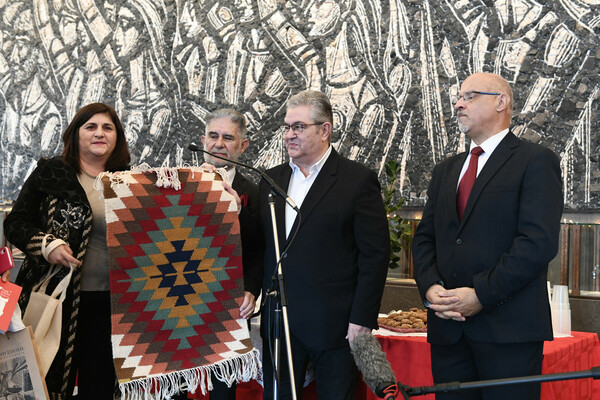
470,95
298,127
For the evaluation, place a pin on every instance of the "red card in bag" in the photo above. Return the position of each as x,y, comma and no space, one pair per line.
9,295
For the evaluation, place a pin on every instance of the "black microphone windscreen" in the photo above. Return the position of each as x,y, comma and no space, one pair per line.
370,360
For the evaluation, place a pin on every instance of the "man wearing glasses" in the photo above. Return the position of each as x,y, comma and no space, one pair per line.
336,264
225,137
481,252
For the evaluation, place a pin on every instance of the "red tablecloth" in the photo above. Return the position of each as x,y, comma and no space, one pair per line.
410,359
577,353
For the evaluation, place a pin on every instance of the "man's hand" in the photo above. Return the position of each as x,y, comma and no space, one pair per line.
442,303
232,192
63,255
437,295
226,186
469,304
209,167
5,276
248,305
354,330
456,304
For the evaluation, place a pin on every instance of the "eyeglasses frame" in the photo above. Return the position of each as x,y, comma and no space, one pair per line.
456,99
286,127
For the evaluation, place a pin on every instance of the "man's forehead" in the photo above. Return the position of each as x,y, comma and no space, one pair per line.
298,113
478,82
223,126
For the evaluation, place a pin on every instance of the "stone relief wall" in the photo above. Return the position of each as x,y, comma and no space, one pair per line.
390,68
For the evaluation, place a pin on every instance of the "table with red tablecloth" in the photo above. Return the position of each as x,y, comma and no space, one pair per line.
410,359
577,353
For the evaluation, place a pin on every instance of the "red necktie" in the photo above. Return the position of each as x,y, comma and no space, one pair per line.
467,181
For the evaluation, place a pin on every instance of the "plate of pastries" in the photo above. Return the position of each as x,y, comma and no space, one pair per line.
413,320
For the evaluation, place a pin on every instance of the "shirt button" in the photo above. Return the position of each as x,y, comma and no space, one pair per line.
458,241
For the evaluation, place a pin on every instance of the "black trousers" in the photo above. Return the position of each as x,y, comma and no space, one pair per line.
335,371
93,350
468,361
221,391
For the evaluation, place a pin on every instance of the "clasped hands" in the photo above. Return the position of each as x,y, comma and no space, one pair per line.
456,304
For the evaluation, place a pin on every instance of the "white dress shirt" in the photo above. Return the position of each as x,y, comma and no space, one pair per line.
488,148
230,174
299,187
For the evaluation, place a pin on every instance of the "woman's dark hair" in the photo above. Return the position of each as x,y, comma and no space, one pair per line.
119,159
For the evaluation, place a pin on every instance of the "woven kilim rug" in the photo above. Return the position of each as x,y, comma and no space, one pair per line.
176,282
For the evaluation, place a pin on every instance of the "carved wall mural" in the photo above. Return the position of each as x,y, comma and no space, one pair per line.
389,67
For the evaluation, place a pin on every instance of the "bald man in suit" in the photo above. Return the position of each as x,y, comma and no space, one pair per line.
482,249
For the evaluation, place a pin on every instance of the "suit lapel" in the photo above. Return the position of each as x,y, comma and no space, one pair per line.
501,154
321,185
239,183
451,192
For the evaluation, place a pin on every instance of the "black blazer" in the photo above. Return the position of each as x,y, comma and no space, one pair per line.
335,269
502,247
251,234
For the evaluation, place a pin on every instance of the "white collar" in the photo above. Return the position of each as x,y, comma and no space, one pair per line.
490,144
316,167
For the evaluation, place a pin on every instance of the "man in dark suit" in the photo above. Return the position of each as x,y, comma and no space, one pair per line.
226,137
336,264
482,249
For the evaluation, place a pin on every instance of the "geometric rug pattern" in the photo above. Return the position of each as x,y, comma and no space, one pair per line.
175,277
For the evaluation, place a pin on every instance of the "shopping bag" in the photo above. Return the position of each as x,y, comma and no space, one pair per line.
20,375
44,315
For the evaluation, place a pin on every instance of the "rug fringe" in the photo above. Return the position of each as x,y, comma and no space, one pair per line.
160,387
167,177
115,179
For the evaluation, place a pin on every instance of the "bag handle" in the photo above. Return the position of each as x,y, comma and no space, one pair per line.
48,248
61,288
43,284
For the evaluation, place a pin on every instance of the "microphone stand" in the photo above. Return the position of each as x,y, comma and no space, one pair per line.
281,305
280,311
458,386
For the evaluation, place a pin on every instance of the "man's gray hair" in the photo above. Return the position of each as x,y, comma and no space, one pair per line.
231,114
320,107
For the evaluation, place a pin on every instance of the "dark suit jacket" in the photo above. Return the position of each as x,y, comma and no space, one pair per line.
502,247
335,269
251,234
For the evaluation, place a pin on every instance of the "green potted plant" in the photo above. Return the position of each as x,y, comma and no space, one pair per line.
400,228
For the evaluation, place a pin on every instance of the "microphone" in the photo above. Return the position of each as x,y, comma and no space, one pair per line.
376,370
275,187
